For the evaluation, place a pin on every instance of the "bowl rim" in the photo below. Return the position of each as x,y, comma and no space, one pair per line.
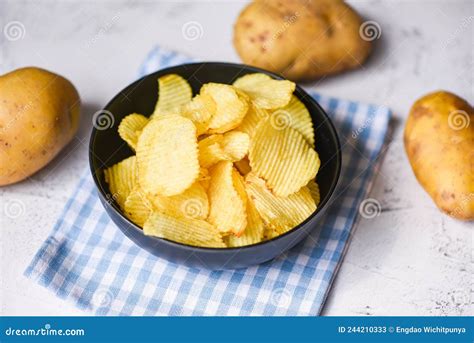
298,89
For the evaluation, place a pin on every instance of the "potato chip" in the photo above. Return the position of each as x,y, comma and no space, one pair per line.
253,233
251,119
130,128
200,110
231,146
137,207
239,185
183,230
192,203
297,116
235,145
167,156
121,178
279,214
173,91
211,151
264,91
227,209
243,166
204,178
282,157
230,107
314,190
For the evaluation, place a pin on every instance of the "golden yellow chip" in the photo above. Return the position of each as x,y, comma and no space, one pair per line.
173,92
230,107
297,116
122,178
266,92
279,213
200,110
314,190
239,185
227,209
251,119
231,146
130,128
204,178
192,203
211,151
282,157
167,156
243,166
137,207
235,145
253,233
183,230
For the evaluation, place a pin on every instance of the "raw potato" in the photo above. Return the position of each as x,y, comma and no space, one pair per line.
300,39
439,142
39,115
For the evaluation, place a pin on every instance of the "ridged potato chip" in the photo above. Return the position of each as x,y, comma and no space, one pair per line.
231,146
137,207
121,178
279,214
282,157
200,110
167,156
243,166
235,145
314,190
211,150
297,116
173,92
227,208
264,91
130,128
251,119
254,231
192,203
183,230
230,107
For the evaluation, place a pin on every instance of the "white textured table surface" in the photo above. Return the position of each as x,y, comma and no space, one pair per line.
408,260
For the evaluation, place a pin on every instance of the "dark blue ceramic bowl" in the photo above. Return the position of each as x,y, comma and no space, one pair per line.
107,148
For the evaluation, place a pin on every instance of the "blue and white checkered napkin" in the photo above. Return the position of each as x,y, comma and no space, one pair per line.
88,260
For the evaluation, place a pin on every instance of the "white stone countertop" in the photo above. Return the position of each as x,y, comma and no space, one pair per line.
409,260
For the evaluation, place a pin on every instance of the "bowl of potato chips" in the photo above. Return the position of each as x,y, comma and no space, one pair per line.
215,165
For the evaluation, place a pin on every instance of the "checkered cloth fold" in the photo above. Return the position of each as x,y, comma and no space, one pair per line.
88,261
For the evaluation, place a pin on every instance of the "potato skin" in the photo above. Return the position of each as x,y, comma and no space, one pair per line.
300,39
439,142
39,115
